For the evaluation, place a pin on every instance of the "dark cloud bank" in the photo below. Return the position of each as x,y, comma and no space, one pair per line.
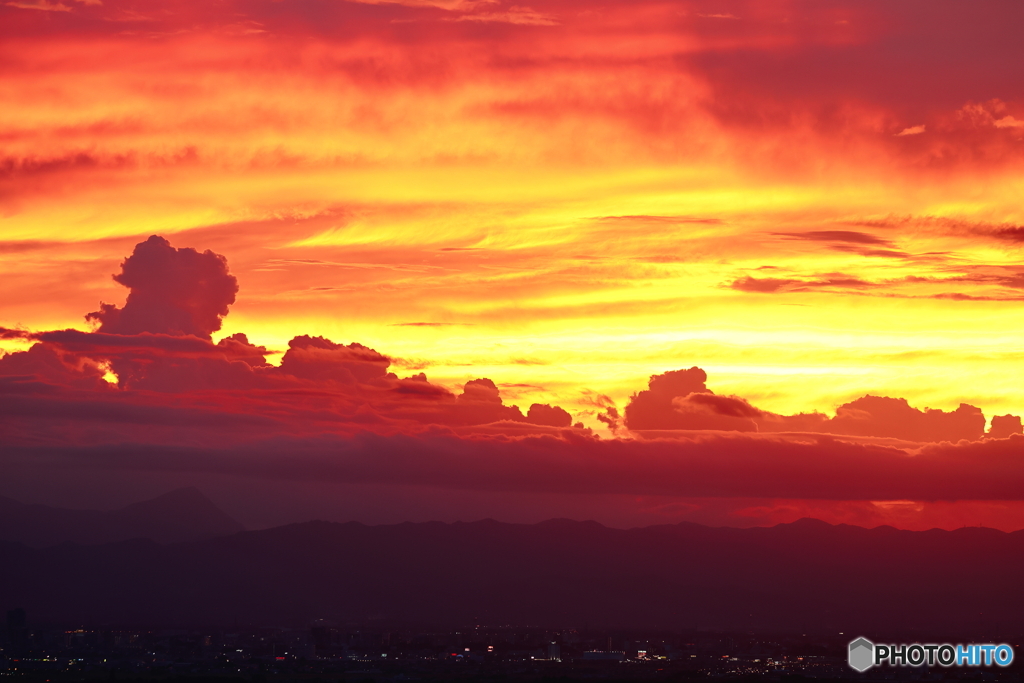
333,412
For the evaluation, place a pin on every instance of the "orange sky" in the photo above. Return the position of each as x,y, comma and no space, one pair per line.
809,200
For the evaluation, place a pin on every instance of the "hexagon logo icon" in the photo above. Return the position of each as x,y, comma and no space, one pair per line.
861,656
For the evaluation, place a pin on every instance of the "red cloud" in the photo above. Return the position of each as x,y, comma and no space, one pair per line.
316,358
1003,426
552,416
161,344
680,399
171,291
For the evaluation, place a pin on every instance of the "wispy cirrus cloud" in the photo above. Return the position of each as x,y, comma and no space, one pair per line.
524,16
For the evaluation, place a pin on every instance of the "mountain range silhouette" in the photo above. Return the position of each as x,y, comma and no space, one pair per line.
804,576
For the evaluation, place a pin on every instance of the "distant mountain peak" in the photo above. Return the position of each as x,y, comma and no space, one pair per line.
184,514
808,523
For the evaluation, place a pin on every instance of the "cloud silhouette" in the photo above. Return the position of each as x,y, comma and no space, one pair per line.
680,400
1004,426
894,417
317,358
552,416
171,291
336,412
51,364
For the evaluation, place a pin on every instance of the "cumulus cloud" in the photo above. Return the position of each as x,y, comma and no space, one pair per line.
54,365
238,347
551,416
680,400
1004,426
171,291
480,390
894,417
161,341
317,358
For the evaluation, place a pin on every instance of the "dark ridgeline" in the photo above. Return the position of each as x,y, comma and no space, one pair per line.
807,576
181,515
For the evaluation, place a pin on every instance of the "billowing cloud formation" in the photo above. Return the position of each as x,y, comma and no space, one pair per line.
680,399
882,416
184,403
552,416
51,364
172,291
1003,426
480,391
160,342
316,358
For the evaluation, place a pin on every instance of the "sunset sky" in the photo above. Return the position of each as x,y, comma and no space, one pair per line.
810,200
